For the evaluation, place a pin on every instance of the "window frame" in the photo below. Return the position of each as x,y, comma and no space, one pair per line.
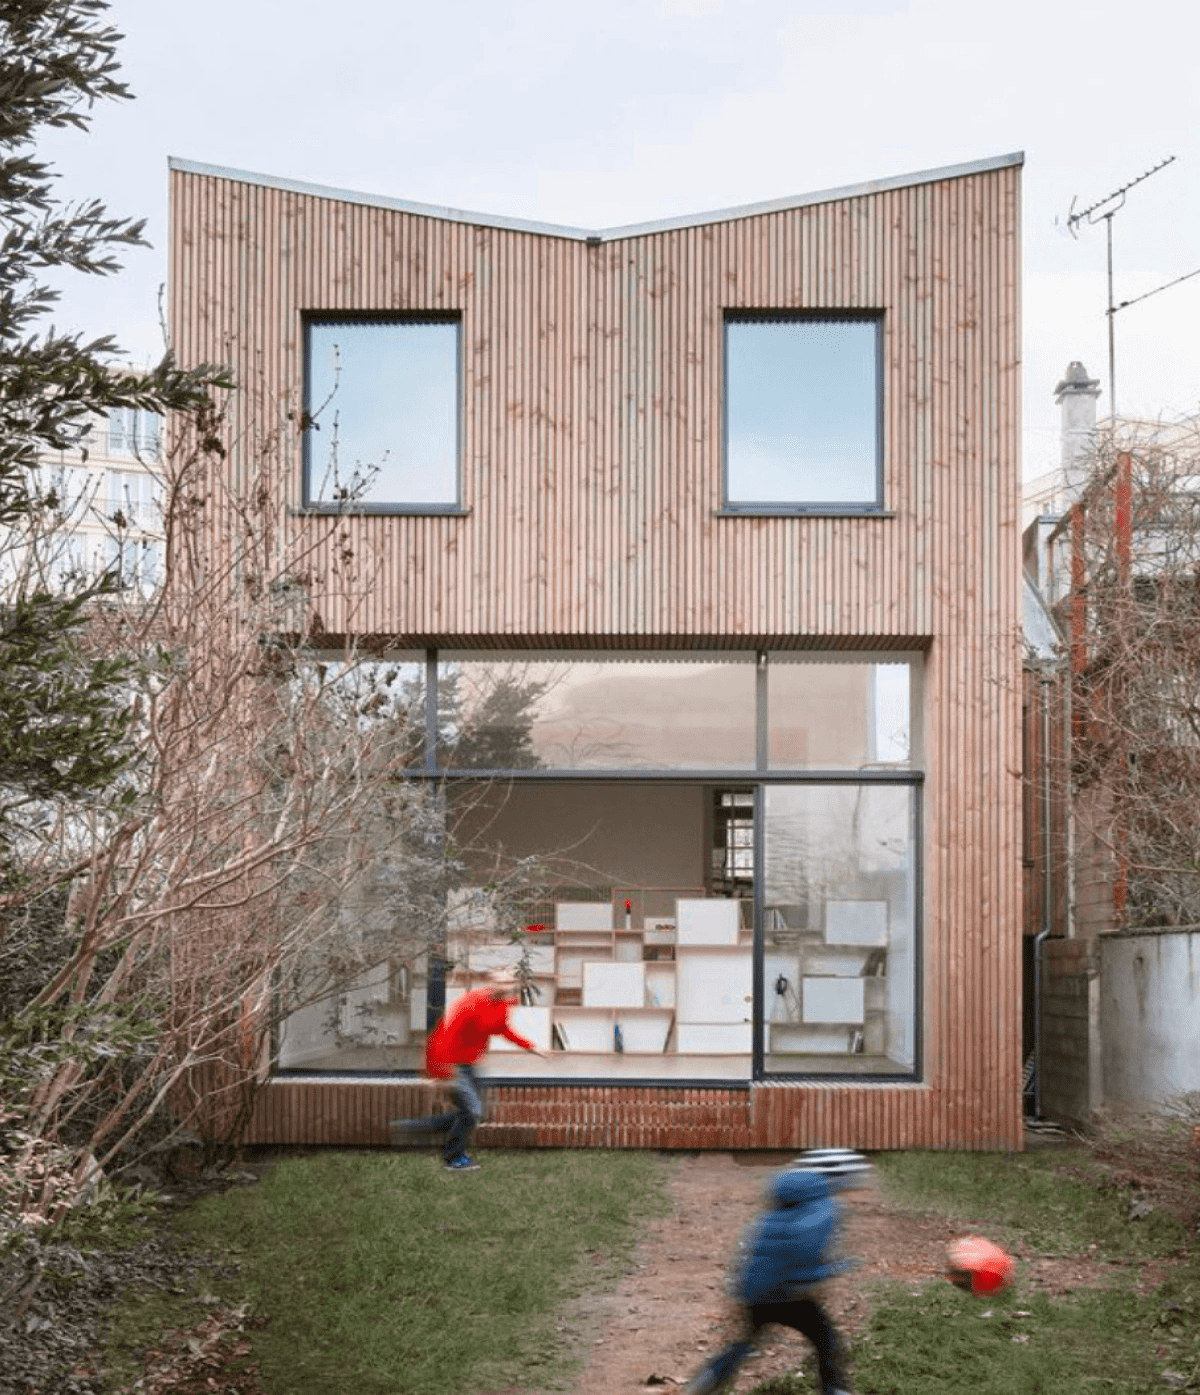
754,780
915,782
732,508
310,318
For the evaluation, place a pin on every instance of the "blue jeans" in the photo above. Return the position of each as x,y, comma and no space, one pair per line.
460,1121
804,1314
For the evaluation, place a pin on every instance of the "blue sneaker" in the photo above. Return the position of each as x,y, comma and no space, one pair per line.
461,1164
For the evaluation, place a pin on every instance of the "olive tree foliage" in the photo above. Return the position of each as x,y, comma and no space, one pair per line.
1134,615
193,791
208,811
61,722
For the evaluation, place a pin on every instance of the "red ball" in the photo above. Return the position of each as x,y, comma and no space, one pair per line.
978,1266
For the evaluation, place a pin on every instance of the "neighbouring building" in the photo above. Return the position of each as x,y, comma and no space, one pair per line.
1115,1005
106,495
713,524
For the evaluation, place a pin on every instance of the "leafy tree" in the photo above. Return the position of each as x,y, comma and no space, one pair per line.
61,712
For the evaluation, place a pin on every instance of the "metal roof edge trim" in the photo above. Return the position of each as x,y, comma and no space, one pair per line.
616,234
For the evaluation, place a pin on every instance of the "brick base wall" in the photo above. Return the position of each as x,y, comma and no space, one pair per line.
774,1115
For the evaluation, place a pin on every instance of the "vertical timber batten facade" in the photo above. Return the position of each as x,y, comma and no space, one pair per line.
590,516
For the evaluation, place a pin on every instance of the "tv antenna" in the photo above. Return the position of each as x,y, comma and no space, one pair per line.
1106,209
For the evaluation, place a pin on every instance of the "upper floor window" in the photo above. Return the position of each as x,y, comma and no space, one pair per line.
803,399
134,431
135,498
381,414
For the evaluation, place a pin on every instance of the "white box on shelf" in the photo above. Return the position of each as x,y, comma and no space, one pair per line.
815,1040
832,999
583,915
586,1031
660,984
533,1023
713,1038
659,930
628,948
645,1031
570,966
709,922
614,984
714,985
856,923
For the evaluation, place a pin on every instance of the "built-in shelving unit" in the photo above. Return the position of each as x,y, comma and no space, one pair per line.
620,977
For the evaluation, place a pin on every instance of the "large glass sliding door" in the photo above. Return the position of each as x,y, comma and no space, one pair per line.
839,929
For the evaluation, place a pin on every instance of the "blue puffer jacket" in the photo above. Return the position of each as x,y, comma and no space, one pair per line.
793,1248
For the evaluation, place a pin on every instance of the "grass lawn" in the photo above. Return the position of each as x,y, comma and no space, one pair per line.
1032,1198
933,1339
380,1273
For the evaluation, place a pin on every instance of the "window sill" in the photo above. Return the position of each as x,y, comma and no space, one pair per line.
800,511
354,510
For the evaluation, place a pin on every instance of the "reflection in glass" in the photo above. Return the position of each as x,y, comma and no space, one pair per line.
836,714
639,962
383,412
376,1022
802,411
592,712
383,698
839,964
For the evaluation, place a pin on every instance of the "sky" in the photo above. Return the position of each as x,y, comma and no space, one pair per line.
603,115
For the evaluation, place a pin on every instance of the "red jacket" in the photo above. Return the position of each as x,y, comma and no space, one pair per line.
461,1037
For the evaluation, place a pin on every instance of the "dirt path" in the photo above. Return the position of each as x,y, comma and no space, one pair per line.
670,1311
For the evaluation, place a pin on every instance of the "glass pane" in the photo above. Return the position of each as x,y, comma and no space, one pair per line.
514,712
383,408
377,1022
839,934
633,969
150,435
837,714
386,696
122,431
802,411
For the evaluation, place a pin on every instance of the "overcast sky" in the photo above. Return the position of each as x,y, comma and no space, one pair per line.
599,115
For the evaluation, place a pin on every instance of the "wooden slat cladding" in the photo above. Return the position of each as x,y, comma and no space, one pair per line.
592,405
591,465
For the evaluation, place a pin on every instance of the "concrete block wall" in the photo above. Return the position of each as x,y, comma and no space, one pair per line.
1150,1014
1069,968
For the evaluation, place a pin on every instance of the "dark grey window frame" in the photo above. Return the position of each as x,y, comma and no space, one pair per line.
758,777
309,318
800,508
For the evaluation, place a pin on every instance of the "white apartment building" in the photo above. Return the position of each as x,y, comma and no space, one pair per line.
106,502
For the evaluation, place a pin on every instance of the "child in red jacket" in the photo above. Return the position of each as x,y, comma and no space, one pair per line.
454,1047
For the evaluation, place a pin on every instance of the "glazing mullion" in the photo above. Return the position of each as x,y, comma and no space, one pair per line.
431,711
756,1025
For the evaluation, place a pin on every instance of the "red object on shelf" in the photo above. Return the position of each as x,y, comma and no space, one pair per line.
533,929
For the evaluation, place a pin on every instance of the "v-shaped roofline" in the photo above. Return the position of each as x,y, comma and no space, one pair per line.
692,220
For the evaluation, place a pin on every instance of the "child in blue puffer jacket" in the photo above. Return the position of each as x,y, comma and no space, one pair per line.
792,1249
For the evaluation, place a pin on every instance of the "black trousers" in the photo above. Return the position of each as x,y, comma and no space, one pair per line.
806,1316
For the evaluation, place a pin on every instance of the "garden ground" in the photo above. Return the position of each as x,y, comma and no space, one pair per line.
670,1310
603,1274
